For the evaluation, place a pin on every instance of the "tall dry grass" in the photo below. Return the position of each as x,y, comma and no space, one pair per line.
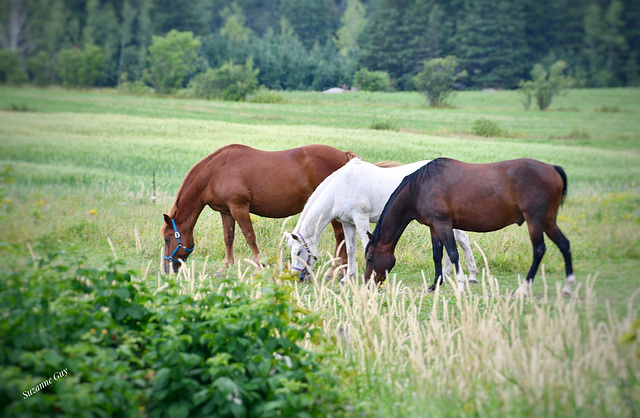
413,353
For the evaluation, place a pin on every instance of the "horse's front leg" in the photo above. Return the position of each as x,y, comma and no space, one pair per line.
228,232
445,233
350,242
341,251
462,238
437,259
241,214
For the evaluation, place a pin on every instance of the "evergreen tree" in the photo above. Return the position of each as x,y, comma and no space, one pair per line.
313,20
353,22
604,43
383,39
491,43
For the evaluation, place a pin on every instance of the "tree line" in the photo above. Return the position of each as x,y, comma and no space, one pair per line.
317,44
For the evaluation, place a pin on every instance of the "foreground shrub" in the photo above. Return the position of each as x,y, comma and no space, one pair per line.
229,82
372,80
98,343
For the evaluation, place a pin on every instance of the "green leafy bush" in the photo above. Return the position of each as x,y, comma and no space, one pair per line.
229,82
85,342
264,95
80,67
372,80
437,79
384,125
10,70
544,85
135,88
172,59
487,127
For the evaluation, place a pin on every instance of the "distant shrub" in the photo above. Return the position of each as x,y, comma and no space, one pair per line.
437,79
20,108
10,70
229,82
384,125
97,342
135,88
172,59
41,69
544,85
80,67
488,128
264,95
577,133
608,109
372,80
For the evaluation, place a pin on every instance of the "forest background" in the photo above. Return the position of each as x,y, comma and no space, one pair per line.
318,44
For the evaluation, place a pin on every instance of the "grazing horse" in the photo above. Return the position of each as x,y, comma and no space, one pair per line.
354,195
237,180
447,194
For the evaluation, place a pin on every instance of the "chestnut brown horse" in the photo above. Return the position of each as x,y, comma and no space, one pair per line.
237,180
446,194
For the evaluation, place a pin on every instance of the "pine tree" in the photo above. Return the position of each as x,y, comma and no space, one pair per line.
491,43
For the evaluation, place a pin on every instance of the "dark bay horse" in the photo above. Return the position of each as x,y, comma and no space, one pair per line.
446,194
237,180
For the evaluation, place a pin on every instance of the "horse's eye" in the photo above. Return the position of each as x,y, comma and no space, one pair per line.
166,240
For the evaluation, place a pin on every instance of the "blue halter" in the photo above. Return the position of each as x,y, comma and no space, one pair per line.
188,250
309,257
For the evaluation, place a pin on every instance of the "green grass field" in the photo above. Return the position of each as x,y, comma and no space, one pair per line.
83,165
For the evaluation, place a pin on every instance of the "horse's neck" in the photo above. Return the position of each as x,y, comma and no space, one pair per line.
315,217
393,225
187,213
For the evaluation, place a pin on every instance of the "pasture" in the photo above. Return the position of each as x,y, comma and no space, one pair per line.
83,164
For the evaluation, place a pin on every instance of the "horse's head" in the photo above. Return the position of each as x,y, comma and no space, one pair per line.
176,246
303,255
380,261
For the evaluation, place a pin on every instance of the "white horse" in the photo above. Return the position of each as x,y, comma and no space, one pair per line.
354,195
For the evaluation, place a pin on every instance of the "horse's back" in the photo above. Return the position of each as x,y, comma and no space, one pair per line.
498,193
273,183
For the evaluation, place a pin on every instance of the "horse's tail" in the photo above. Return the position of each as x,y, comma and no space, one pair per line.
564,180
351,155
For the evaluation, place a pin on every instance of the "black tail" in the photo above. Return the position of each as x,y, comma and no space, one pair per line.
564,180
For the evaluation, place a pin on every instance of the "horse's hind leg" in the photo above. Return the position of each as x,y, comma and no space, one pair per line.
241,214
555,235
539,248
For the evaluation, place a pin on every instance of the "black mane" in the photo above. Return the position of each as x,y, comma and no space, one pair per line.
418,176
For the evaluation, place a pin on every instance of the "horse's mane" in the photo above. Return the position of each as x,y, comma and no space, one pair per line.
388,164
326,183
410,181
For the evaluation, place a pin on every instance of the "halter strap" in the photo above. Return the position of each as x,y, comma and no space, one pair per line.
188,250
309,255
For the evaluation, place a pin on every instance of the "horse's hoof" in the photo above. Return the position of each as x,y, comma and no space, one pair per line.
473,281
220,272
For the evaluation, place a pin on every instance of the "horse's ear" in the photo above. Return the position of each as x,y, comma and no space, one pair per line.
293,237
370,236
167,219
